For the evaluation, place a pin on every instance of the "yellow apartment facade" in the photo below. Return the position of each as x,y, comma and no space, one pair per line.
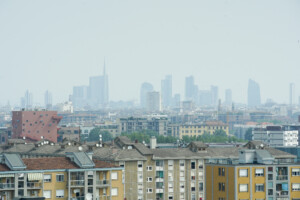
73,177
256,176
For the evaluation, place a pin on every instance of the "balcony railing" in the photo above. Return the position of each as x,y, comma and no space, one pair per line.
282,193
7,186
77,183
282,177
103,197
78,198
159,190
35,185
159,180
103,183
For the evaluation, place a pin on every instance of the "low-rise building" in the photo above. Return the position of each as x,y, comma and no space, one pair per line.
276,136
201,128
74,176
256,175
35,124
135,124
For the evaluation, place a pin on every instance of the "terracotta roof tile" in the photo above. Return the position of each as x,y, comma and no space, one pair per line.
49,163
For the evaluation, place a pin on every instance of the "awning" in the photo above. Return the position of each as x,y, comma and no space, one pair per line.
35,176
6,175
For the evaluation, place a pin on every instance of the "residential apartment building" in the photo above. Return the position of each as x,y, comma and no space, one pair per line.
35,124
135,124
200,129
73,177
256,175
276,136
152,173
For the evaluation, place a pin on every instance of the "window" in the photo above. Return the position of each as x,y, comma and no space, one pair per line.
149,179
149,190
296,187
170,164
259,172
221,186
259,187
149,168
221,171
114,175
60,193
47,177
59,178
122,164
47,194
193,177
243,172
200,187
140,164
114,191
181,163
193,164
243,187
295,171
193,188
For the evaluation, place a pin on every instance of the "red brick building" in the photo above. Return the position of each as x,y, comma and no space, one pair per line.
34,124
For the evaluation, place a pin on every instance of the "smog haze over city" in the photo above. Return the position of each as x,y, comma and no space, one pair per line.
55,45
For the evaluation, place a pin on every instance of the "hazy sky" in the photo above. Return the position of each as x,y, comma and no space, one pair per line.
55,45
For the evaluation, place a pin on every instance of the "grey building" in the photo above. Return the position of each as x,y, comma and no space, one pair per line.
253,94
145,88
166,91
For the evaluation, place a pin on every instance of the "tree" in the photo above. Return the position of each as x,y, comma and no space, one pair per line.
248,134
94,135
220,132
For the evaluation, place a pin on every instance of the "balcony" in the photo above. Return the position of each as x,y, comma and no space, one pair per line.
159,179
282,193
159,190
77,183
102,183
34,185
281,177
77,198
103,197
7,186
159,168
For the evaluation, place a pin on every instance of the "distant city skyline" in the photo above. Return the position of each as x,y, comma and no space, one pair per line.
220,43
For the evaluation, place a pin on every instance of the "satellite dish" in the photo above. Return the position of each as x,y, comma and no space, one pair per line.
80,148
69,143
100,145
24,138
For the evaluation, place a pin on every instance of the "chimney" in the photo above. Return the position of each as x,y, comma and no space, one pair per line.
153,142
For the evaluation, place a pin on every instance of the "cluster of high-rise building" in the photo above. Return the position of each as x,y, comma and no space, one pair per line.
93,96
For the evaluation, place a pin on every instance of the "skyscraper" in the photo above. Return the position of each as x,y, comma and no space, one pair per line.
145,88
292,94
27,100
98,90
228,97
191,90
214,95
253,94
79,97
166,91
153,101
48,100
